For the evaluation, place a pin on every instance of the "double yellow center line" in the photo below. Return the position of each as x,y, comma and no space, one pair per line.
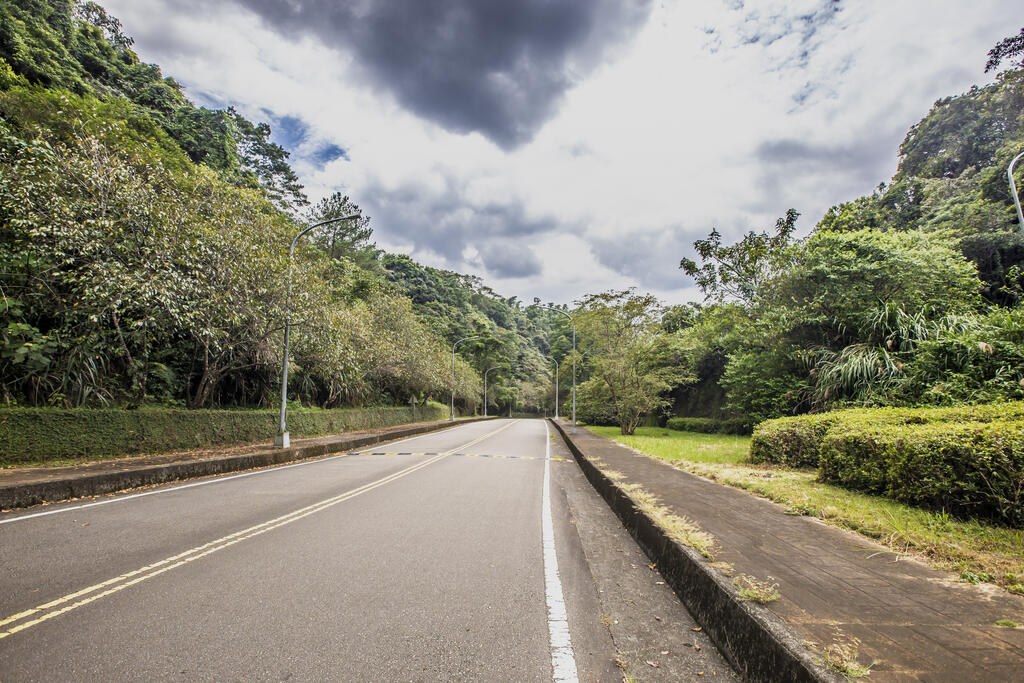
54,608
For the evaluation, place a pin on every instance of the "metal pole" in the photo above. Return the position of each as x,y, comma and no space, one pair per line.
573,321
1013,189
454,346
283,440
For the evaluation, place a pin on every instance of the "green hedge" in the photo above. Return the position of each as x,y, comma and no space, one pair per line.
966,460
34,435
794,441
708,425
791,441
972,469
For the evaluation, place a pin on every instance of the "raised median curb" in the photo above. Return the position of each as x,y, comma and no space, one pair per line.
758,643
128,476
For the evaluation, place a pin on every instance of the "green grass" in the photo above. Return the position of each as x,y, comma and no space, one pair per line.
671,445
966,547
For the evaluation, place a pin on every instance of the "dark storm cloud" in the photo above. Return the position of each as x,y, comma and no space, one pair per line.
496,67
840,171
444,223
507,258
795,152
650,258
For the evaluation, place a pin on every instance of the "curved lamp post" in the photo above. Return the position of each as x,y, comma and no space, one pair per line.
485,385
1013,188
283,440
573,322
454,346
556,384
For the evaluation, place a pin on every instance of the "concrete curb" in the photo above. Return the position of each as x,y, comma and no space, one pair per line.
24,495
754,639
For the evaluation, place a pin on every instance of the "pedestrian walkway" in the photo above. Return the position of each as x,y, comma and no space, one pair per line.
913,622
23,486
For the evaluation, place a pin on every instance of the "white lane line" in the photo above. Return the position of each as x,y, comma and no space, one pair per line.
131,578
70,602
563,661
216,480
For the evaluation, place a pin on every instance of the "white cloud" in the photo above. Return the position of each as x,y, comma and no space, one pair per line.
709,116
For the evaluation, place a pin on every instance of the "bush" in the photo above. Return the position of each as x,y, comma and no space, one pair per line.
795,441
791,441
967,460
42,434
708,425
973,469
704,425
594,405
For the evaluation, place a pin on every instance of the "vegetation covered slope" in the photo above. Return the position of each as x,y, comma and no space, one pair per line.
911,295
144,251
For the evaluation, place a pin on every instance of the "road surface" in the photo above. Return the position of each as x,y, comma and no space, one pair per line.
474,553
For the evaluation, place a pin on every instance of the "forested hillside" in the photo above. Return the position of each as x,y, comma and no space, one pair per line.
911,295
145,245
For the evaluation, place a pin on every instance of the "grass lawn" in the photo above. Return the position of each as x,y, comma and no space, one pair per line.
975,550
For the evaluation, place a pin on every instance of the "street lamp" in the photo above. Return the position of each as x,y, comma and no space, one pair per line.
573,322
485,385
454,346
283,440
1013,188
556,384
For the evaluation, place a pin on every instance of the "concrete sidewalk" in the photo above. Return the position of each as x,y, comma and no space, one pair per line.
913,622
24,486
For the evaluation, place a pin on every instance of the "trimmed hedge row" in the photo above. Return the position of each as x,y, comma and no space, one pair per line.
42,434
973,469
968,461
708,425
794,441
791,441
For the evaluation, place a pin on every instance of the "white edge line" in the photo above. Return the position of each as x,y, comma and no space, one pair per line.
563,660
215,480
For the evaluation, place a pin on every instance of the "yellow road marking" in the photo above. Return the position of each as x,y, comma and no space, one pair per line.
119,583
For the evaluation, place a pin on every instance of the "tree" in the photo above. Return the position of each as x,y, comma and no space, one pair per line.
739,270
349,238
1007,48
632,362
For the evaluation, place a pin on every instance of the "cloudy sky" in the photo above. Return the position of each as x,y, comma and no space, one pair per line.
562,147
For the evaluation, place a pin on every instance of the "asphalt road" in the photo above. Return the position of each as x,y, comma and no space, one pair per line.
434,558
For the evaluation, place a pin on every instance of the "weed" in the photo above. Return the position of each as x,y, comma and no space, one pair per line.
750,588
624,668
967,576
1007,623
841,656
724,567
802,509
678,528
1017,588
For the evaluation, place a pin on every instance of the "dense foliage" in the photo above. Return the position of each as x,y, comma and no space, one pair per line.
145,253
76,46
964,460
39,436
909,296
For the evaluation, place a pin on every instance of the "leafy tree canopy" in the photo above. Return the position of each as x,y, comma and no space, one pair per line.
76,46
